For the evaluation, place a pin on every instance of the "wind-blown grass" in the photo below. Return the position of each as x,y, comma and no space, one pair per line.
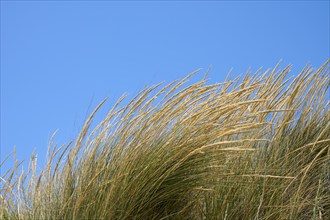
256,147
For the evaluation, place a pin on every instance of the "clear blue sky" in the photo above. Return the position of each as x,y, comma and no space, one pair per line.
58,58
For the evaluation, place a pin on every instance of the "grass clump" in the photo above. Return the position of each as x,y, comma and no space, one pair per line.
256,147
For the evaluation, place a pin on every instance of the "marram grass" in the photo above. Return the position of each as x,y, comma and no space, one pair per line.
256,147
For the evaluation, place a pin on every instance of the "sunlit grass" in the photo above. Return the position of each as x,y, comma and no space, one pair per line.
256,147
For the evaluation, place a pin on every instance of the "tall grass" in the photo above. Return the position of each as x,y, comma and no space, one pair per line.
256,147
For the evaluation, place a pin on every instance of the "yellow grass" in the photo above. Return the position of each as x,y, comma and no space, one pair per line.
256,147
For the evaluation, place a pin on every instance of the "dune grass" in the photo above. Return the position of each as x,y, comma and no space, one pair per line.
256,147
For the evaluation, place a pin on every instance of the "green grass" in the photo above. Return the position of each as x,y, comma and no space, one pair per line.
256,147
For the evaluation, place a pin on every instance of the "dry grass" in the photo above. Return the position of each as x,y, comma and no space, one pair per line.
256,147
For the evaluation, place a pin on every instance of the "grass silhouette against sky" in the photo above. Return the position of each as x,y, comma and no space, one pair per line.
59,59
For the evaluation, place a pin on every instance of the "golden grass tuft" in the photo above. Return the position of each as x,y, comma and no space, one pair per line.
256,147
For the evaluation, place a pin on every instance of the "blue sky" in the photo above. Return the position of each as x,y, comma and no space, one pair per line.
60,59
